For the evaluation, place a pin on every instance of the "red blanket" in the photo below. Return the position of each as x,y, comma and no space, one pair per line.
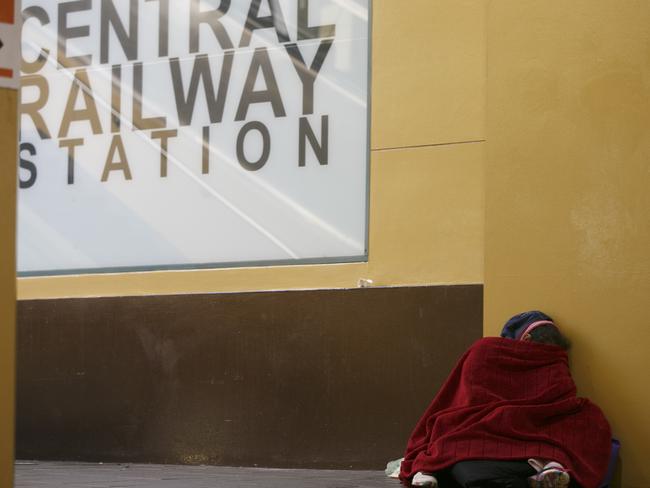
508,400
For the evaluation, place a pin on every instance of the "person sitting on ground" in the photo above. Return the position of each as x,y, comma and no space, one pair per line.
508,416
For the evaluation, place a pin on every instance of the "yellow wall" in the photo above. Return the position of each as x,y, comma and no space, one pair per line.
426,213
7,282
568,206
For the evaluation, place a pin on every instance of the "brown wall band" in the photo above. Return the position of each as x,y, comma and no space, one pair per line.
329,378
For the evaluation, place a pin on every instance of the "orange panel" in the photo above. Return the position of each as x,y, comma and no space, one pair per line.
7,11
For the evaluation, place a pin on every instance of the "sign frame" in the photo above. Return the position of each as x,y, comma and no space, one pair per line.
356,258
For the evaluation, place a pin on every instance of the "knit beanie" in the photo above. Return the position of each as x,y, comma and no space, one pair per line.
517,326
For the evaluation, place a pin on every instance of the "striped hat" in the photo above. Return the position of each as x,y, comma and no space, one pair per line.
520,325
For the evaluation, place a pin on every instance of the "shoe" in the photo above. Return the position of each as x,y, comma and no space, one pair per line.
549,475
422,479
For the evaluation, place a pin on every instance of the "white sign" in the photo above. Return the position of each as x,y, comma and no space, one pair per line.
9,44
192,133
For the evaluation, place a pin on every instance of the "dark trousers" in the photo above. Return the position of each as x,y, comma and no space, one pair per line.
492,474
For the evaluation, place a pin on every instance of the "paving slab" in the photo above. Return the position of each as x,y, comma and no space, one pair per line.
87,475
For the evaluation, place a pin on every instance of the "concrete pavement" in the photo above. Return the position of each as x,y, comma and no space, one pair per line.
85,475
